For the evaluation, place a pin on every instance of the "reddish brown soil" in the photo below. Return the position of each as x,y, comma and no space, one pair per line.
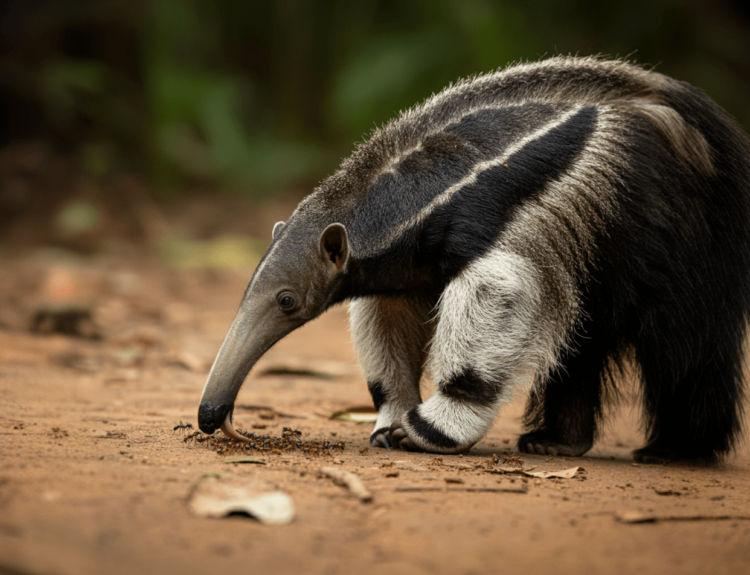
94,480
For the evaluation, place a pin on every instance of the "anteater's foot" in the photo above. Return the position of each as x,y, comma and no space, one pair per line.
400,438
381,438
404,436
544,443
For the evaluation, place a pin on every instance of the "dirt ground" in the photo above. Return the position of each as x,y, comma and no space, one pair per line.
93,479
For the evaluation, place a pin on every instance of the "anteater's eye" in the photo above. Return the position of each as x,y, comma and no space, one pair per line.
286,301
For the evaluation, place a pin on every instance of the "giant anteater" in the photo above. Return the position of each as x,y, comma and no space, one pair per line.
541,224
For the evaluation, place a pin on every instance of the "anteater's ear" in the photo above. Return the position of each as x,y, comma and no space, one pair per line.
334,246
276,230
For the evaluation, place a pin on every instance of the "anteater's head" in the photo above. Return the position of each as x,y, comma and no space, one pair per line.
299,277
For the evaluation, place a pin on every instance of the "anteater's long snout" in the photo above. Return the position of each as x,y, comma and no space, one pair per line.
243,345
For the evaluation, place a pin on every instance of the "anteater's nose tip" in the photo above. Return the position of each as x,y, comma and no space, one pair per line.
210,416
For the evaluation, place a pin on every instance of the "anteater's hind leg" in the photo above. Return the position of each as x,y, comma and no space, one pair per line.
562,413
391,337
492,335
692,402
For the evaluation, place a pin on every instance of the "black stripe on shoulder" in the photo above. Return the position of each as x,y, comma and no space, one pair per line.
469,387
470,223
427,431
443,159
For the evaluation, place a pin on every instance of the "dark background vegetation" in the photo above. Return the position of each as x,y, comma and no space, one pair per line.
260,98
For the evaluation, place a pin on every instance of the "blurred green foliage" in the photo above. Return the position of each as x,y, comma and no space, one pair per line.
223,252
260,96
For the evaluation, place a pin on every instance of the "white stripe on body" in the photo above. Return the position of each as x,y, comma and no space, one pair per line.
491,320
477,170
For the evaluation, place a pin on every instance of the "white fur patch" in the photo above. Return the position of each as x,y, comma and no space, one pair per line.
491,319
390,337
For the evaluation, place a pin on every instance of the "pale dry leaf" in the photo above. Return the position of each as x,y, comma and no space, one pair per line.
564,474
358,414
216,497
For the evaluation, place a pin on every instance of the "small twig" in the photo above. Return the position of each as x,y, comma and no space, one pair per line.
638,517
348,480
522,489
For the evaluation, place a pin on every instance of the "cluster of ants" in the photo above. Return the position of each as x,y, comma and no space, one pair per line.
290,440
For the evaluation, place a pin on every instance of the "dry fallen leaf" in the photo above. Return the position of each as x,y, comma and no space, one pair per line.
564,474
358,414
221,497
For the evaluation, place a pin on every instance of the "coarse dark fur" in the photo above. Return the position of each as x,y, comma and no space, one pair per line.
543,222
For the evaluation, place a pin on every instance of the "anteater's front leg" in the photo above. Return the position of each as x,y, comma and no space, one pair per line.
491,337
390,336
